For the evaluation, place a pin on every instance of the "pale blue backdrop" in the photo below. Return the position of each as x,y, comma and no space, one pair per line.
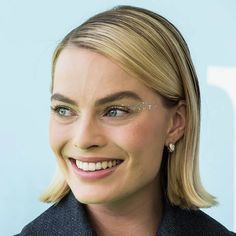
29,32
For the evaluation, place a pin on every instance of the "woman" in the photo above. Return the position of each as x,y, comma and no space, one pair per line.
125,132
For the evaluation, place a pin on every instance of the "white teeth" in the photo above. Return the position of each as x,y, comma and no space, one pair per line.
98,166
114,163
104,165
80,164
85,166
110,164
91,166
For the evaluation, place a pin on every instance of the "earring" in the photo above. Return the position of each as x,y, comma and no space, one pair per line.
171,147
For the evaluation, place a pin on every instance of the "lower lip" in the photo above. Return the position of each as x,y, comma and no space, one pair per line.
93,175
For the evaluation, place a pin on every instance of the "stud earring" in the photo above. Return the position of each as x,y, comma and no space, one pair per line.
171,147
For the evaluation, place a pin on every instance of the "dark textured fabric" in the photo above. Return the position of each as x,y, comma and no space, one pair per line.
66,218
69,218
179,222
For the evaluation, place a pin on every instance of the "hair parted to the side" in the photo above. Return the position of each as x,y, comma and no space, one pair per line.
149,47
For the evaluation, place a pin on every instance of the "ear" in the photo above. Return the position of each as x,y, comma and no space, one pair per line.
177,123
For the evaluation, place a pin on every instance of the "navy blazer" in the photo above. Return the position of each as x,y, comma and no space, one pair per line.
69,218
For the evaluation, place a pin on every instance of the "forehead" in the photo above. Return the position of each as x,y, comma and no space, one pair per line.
86,75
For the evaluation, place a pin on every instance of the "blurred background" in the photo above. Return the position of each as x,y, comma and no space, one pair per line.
29,32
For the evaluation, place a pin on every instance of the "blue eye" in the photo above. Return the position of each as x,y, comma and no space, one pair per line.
63,111
116,111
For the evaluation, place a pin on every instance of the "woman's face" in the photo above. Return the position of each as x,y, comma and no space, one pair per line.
107,140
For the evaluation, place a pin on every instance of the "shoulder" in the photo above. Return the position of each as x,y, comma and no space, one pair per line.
179,221
68,217
199,223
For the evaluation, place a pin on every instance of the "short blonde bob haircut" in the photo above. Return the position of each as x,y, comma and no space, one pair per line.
148,46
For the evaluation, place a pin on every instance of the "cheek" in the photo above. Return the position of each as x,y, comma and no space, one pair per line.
140,136
57,136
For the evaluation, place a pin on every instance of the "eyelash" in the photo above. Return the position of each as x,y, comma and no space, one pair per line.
118,108
56,110
124,109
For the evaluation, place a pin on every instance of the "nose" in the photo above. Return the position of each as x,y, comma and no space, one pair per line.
88,134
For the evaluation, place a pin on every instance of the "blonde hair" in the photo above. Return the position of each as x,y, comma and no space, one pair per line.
148,46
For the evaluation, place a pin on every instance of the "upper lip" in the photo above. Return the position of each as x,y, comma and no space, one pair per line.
94,159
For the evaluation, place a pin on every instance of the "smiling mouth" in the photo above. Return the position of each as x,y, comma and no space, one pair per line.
96,166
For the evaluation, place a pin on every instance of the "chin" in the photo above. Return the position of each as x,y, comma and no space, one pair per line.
90,195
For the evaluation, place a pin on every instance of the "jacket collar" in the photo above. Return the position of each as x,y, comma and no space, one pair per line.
79,218
175,221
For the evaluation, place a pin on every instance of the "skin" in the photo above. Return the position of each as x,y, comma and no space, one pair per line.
131,195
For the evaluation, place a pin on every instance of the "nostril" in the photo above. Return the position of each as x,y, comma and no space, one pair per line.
93,146
86,148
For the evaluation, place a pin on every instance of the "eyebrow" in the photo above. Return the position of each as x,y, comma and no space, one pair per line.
62,98
110,98
118,96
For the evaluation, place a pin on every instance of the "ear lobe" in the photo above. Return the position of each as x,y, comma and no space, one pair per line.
178,123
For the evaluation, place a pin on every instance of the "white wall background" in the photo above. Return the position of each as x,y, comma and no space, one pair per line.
29,32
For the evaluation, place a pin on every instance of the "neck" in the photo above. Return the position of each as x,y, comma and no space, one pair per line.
139,214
